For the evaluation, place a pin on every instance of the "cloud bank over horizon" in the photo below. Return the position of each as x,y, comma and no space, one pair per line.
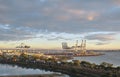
60,20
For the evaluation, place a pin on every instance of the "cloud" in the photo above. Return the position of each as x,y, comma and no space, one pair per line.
102,43
9,33
4,26
71,18
101,37
59,36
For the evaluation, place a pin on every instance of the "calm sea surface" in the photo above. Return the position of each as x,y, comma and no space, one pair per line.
110,57
15,70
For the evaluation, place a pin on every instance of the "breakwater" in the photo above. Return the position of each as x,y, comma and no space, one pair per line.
75,68
51,67
69,69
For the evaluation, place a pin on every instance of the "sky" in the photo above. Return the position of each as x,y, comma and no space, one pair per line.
47,23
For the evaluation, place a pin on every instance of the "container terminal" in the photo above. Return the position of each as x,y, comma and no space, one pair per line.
74,51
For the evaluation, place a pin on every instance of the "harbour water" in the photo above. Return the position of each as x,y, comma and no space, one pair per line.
9,70
110,57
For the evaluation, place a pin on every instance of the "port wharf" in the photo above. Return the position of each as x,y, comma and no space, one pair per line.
75,68
69,54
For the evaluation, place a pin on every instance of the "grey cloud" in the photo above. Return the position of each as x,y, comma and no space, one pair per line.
101,37
8,33
102,43
111,15
30,17
58,38
55,38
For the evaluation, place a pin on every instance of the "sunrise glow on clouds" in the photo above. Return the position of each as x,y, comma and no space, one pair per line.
47,23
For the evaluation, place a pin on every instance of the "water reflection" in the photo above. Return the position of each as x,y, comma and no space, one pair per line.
6,70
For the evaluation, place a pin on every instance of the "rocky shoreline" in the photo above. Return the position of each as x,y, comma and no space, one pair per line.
75,68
